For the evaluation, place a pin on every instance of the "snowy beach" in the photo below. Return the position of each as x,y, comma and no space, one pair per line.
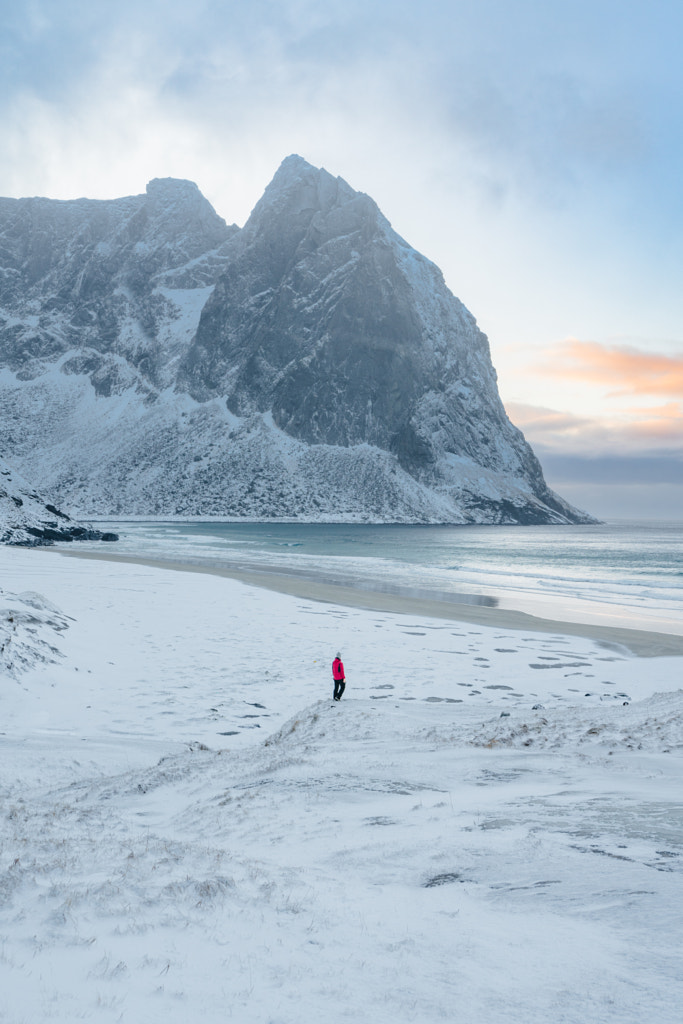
642,642
487,828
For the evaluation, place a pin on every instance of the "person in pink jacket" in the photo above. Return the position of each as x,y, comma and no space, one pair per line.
338,676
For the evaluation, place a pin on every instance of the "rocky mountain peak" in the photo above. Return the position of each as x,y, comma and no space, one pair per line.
170,189
306,206
293,167
311,364
176,208
295,172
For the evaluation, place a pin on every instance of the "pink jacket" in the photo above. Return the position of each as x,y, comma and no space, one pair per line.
338,669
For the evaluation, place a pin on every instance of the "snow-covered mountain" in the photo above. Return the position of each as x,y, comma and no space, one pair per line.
29,520
154,360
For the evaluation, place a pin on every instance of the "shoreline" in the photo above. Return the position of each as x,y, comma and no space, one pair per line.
641,643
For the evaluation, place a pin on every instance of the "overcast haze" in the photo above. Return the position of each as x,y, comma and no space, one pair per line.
531,149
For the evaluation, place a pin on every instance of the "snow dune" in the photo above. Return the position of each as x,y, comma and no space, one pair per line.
488,827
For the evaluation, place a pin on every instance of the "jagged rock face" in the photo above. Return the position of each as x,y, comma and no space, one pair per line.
332,322
27,519
96,279
315,321
310,365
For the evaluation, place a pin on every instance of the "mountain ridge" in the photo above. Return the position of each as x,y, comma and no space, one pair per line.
309,365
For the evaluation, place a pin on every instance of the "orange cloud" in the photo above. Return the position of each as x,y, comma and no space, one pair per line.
636,430
538,418
663,422
670,411
626,369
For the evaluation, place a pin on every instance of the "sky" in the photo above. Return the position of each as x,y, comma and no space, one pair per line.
533,150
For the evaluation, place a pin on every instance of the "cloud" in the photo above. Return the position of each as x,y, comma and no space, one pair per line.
624,370
624,501
479,103
538,419
547,134
503,140
99,98
512,96
612,470
640,430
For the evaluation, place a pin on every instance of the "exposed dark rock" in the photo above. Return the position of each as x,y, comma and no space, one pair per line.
23,521
310,365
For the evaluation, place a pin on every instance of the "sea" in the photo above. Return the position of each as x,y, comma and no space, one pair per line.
620,572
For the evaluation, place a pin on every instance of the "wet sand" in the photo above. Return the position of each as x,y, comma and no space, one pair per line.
642,643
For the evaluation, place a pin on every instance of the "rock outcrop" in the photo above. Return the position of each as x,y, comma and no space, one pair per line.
28,520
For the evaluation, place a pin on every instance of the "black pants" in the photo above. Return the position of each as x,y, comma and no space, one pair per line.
339,687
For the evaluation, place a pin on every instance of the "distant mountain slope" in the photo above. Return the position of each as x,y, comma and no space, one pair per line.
310,365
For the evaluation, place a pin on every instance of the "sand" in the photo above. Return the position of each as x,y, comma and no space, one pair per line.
642,643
